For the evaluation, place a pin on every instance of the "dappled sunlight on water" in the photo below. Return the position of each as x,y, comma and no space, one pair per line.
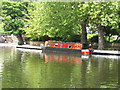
34,69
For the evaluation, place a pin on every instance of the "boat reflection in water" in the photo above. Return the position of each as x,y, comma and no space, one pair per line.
65,58
60,57
37,69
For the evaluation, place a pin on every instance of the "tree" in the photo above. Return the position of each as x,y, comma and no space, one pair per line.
103,14
13,14
64,20
52,19
1,30
38,20
109,32
81,12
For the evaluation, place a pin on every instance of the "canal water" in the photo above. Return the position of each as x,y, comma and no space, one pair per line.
23,68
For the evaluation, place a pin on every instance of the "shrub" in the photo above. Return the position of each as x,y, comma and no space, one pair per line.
94,39
20,43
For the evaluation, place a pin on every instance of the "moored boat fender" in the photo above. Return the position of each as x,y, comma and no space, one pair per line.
86,51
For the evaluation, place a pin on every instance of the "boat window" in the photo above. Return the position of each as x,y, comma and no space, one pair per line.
56,44
69,46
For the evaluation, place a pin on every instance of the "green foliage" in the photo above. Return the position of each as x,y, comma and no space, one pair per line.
19,43
52,19
61,20
1,26
109,32
13,14
116,41
64,19
89,36
94,39
112,39
104,13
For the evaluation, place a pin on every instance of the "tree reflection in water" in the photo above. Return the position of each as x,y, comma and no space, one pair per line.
29,69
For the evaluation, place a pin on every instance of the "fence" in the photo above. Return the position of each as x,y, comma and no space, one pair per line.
108,46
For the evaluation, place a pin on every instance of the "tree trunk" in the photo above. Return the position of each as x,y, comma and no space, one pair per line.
84,34
20,39
101,39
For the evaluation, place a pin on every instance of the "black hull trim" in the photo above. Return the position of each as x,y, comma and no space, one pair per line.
63,50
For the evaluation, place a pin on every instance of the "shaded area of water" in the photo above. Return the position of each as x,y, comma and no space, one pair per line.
34,69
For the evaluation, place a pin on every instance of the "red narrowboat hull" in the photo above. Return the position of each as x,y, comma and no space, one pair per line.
66,47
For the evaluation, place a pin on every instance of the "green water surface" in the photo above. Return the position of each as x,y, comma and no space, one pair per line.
31,69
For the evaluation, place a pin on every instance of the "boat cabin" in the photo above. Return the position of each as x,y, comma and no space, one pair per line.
68,45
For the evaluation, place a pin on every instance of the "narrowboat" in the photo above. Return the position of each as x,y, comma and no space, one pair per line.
69,47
